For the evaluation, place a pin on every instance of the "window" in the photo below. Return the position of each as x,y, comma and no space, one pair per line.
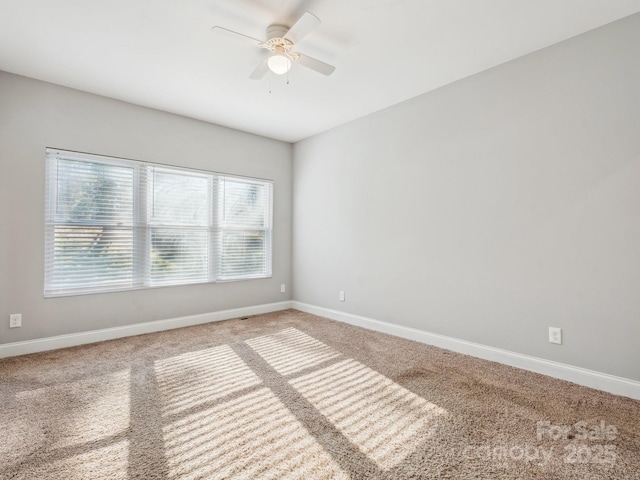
115,224
244,228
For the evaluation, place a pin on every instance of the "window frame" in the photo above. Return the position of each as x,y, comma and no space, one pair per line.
143,223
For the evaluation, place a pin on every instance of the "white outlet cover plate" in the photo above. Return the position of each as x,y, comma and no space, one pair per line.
555,335
15,320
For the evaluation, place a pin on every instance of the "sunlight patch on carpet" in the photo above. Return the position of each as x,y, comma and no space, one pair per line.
384,420
291,351
193,378
252,436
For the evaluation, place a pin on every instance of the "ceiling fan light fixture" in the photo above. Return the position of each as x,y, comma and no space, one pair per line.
279,64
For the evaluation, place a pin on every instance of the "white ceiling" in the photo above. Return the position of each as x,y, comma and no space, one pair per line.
163,53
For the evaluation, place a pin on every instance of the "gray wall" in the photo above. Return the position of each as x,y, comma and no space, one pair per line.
35,115
490,209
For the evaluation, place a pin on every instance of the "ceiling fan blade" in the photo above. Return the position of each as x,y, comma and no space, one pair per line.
307,22
218,27
313,64
260,70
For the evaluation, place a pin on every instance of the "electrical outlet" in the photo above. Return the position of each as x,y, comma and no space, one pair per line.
15,320
341,296
555,335
283,288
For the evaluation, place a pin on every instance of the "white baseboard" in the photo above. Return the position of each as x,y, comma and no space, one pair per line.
582,376
73,339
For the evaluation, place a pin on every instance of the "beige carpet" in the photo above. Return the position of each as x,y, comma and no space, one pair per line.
293,396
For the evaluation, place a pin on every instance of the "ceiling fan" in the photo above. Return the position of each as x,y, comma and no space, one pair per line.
281,42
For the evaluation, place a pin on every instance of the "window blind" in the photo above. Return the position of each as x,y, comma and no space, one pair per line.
180,225
114,224
245,228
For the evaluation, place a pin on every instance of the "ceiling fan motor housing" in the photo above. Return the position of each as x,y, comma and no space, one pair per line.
276,42
276,31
